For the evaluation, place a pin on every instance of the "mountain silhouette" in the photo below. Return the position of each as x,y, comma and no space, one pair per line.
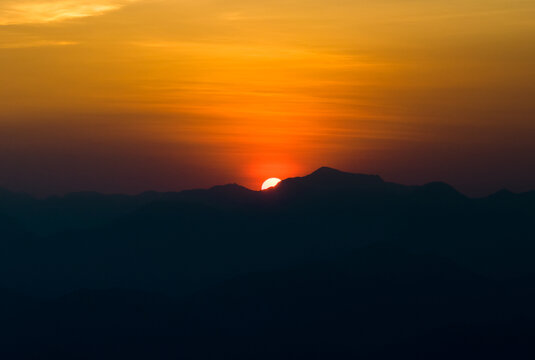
327,181
330,179
328,265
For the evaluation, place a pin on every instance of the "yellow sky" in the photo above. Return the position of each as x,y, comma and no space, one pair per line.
235,90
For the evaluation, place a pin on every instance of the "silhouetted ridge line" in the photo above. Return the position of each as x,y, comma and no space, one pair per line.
221,195
334,174
324,265
328,181
438,191
232,188
503,194
85,210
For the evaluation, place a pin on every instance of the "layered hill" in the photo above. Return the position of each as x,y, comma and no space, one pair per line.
329,265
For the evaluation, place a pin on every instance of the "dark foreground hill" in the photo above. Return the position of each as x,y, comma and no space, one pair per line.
329,266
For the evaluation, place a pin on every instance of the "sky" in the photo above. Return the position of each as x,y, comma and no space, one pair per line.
134,95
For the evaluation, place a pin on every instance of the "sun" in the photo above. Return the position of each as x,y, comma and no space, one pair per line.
270,183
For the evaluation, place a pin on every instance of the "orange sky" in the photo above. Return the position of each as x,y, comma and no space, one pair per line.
132,95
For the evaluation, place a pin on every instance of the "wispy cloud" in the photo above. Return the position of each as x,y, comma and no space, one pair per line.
37,43
16,12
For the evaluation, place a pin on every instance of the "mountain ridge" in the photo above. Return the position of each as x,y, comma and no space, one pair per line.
89,209
323,173
329,265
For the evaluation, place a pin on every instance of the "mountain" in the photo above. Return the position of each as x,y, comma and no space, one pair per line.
85,210
329,265
328,180
183,242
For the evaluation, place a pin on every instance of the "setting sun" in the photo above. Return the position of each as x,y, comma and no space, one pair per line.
270,183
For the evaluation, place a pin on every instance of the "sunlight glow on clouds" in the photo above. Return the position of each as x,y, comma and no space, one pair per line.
16,12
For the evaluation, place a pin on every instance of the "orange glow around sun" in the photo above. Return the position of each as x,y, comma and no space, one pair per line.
270,183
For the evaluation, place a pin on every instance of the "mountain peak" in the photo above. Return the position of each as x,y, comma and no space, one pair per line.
438,191
324,170
503,193
327,173
232,188
328,180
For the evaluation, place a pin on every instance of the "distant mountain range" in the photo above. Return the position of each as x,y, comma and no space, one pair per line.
89,209
331,265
